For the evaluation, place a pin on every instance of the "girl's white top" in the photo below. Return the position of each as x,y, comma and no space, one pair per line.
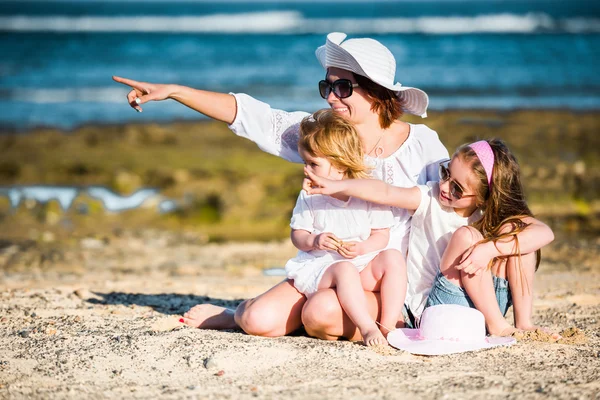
350,220
432,228
414,163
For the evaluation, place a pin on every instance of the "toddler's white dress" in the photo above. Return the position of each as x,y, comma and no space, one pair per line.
350,220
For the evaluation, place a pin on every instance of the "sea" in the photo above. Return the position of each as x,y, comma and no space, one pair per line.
57,57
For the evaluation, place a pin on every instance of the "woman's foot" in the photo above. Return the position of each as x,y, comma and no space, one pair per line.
209,316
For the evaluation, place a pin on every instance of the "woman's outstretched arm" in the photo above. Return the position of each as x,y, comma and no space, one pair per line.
219,106
274,131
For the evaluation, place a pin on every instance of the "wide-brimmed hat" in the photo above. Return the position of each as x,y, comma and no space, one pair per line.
447,329
371,59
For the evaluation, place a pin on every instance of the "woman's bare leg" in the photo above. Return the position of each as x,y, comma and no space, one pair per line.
324,318
277,312
209,316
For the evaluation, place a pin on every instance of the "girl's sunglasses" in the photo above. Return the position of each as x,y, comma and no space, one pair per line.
342,88
456,191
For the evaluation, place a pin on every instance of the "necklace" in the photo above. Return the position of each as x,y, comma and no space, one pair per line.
378,150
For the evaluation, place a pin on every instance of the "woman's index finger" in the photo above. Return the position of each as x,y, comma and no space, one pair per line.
128,82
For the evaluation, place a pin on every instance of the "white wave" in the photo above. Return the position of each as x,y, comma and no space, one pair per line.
496,23
293,22
262,22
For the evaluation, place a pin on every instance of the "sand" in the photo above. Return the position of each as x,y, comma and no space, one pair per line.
99,319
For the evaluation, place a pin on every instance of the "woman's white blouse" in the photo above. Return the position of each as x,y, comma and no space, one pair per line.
414,163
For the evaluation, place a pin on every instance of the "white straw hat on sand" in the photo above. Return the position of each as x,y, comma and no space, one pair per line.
447,329
371,59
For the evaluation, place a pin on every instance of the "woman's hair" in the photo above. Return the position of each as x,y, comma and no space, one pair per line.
503,201
385,102
327,134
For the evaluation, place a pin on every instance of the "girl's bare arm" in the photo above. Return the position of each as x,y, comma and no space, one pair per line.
372,190
535,236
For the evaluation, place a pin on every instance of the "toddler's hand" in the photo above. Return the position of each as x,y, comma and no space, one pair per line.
307,185
351,249
327,241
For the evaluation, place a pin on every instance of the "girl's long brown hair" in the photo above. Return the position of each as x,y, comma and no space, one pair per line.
503,201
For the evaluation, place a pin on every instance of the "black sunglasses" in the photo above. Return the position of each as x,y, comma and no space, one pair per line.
342,88
456,191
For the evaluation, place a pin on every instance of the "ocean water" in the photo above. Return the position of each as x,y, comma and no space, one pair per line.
57,57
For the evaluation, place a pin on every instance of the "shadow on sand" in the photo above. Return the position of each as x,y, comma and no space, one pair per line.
166,303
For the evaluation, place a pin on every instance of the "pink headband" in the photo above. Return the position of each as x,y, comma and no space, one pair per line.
486,157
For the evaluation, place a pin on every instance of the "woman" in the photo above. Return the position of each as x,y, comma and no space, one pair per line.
359,85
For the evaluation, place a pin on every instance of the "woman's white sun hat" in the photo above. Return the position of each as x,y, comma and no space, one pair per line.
371,59
447,329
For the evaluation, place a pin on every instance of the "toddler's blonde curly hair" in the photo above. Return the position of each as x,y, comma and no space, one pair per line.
329,135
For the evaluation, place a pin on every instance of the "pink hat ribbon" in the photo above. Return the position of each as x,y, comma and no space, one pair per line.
486,156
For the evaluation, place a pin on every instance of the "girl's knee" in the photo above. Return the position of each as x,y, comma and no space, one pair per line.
466,236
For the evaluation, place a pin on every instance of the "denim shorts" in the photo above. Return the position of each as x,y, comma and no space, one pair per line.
445,292
409,319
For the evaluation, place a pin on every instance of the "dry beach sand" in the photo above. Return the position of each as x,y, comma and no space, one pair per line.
99,319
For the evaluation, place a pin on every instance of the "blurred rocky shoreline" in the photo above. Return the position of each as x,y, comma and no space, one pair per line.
225,189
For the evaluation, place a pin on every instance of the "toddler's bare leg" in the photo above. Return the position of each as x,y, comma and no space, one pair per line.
345,278
387,275
324,318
